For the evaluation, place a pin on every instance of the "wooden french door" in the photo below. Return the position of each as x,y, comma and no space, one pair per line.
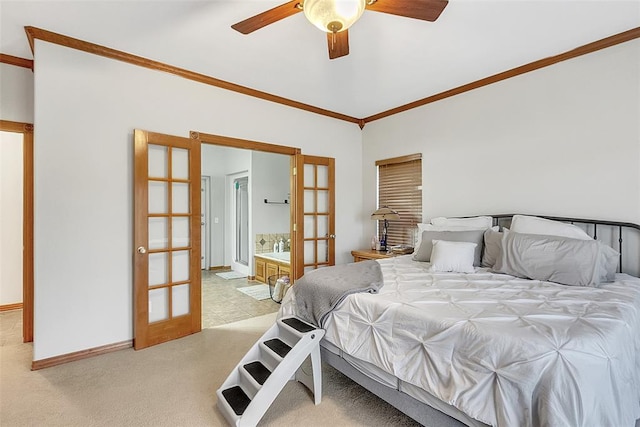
315,213
166,268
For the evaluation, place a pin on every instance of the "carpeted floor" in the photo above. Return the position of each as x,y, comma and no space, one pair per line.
171,384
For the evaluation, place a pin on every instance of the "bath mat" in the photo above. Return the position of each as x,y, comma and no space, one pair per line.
231,275
258,292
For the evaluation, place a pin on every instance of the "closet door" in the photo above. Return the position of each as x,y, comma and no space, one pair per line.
315,213
167,286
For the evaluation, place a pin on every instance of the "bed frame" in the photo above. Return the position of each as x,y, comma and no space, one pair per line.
619,235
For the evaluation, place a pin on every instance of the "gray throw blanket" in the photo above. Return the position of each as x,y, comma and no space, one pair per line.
320,291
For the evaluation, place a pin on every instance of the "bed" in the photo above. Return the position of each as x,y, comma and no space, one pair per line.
501,343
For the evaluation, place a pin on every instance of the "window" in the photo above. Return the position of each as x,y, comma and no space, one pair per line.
400,188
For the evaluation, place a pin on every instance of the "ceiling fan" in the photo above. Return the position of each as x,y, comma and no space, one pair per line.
336,16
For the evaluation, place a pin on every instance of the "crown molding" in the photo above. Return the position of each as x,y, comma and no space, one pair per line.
532,66
62,40
34,33
14,60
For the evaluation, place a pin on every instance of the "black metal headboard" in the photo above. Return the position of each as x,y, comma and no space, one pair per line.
591,227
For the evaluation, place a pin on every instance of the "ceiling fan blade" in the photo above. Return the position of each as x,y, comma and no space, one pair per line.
263,19
427,10
338,44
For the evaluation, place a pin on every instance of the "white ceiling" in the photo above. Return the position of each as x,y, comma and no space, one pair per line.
393,60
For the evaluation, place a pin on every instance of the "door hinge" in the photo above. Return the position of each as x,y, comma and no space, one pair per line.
295,227
295,171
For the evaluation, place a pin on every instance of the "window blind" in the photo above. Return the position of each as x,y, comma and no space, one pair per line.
400,188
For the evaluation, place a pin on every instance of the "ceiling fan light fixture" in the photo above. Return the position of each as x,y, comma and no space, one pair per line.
332,16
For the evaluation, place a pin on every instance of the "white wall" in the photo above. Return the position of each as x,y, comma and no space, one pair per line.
11,187
86,108
16,87
271,180
563,140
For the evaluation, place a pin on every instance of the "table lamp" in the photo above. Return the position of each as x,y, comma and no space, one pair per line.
384,214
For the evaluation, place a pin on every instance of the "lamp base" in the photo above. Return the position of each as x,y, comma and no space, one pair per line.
383,241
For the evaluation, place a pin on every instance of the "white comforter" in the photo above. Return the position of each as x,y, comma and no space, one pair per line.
506,351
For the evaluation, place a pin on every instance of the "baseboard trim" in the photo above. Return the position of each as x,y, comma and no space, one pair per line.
220,267
8,307
79,355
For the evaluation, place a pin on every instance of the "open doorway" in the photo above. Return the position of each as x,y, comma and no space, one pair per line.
241,226
16,283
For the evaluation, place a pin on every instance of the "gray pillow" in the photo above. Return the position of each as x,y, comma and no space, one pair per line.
553,259
426,245
492,247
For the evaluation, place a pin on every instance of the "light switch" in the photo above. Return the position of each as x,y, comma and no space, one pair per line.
216,220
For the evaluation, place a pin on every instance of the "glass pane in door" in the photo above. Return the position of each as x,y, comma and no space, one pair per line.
158,268
309,226
179,163
309,252
323,201
180,300
180,198
158,197
323,176
158,233
309,201
157,161
180,231
158,304
309,175
180,266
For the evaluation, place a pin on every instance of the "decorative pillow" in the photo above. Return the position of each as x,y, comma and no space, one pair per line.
474,222
431,227
452,256
423,252
492,246
535,225
557,259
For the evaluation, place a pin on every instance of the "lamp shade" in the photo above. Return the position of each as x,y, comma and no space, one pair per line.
384,213
333,16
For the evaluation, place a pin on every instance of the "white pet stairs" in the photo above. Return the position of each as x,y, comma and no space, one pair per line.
263,372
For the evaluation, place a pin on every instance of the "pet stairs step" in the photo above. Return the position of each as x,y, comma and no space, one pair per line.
274,360
258,371
298,324
278,347
237,398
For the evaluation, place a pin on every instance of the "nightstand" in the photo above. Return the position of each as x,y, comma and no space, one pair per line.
365,254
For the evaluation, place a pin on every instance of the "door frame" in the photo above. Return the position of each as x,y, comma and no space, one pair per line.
26,129
246,144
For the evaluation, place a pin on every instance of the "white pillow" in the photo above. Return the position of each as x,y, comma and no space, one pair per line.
534,225
482,222
452,256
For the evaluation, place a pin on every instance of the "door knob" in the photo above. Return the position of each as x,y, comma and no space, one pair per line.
333,236
142,250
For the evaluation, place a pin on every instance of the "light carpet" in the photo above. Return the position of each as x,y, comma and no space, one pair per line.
171,384
231,275
258,292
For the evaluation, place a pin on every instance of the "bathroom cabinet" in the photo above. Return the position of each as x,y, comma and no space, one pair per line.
266,266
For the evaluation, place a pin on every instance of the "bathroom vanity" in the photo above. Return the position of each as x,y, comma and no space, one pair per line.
269,264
